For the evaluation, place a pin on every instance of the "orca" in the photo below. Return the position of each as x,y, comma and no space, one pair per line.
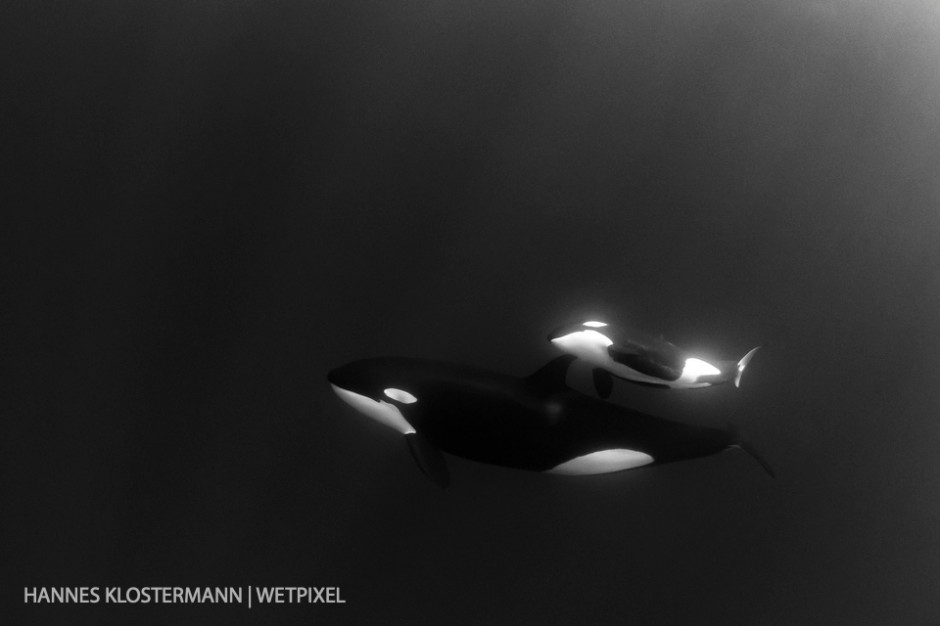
642,358
534,423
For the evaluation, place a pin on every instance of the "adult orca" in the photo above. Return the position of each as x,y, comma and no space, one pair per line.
642,358
534,423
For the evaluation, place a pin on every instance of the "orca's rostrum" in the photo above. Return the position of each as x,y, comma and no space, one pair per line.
534,423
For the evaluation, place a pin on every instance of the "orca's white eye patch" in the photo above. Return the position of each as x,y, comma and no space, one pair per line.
400,395
379,410
594,324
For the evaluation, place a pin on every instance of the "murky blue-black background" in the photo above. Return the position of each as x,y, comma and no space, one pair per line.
208,205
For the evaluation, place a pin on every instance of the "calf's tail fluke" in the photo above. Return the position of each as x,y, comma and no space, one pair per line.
742,364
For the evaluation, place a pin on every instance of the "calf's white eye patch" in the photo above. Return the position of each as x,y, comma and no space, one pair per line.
401,395
698,367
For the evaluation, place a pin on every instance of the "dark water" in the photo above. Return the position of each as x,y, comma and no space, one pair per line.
208,205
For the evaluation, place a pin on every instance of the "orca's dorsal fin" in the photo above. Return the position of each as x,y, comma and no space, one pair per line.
603,382
553,374
429,459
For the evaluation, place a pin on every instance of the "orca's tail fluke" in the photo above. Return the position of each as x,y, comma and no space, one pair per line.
742,364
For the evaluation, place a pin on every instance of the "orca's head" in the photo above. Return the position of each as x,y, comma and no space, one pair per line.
370,387
586,340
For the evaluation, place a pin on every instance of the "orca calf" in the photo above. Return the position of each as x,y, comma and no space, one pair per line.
642,358
535,423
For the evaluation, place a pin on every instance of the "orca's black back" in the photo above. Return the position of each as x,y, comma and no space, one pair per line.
510,421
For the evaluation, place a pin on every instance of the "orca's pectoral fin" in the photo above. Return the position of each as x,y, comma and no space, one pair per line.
429,459
603,382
